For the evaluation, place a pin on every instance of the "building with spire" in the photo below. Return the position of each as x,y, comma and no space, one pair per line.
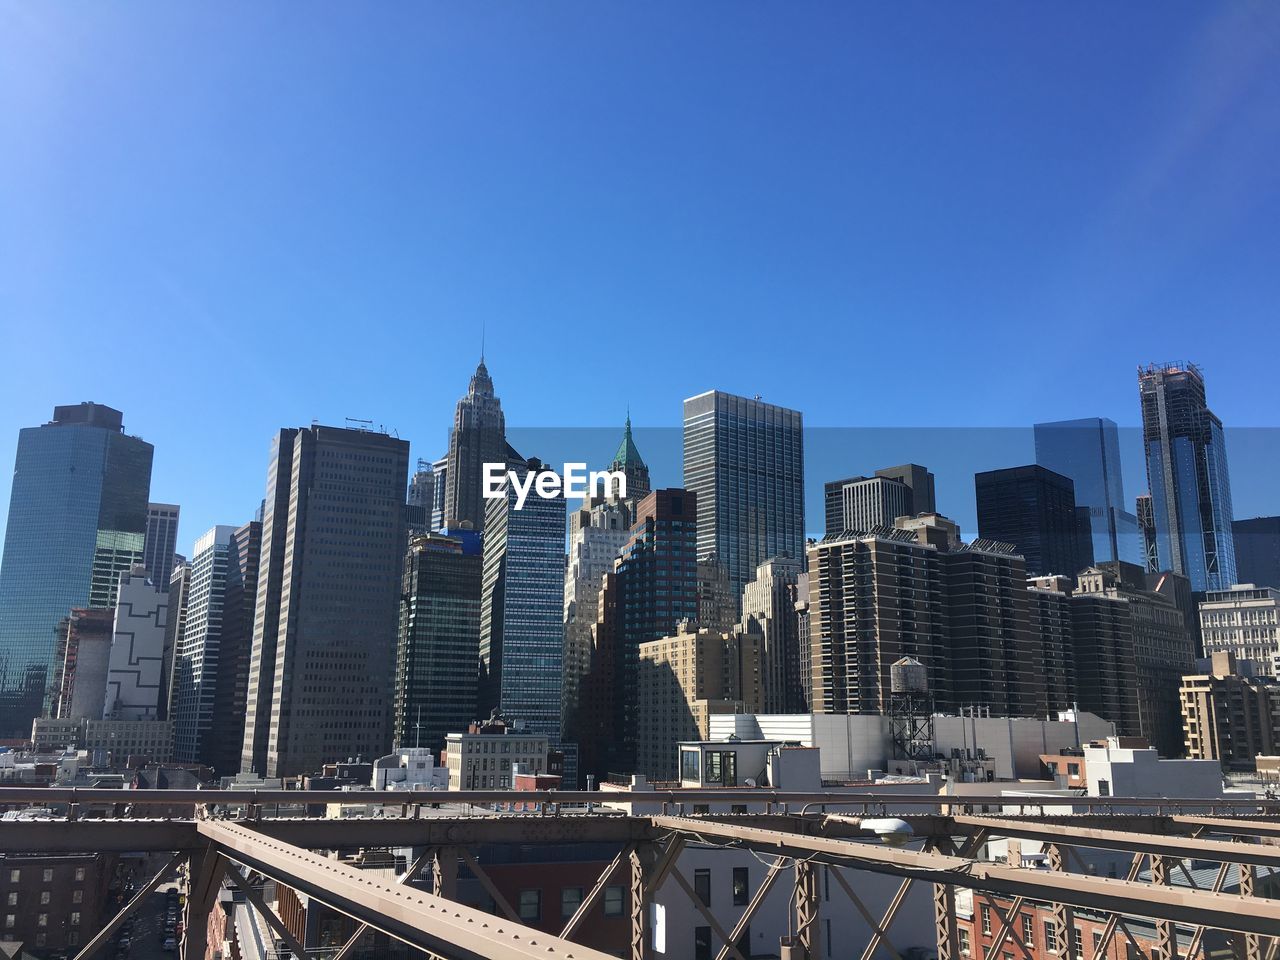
632,466
478,437
597,533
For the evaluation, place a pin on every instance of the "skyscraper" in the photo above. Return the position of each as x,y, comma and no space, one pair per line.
478,437
1257,544
437,655
522,608
77,520
179,595
1034,509
420,501
195,667
651,590
629,462
860,504
769,605
137,648
919,481
161,542
1088,452
1187,472
744,460
324,637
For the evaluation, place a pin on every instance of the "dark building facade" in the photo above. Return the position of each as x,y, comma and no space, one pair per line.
478,437
77,520
1188,477
53,904
161,542
1257,543
1034,509
437,655
652,589
223,750
327,609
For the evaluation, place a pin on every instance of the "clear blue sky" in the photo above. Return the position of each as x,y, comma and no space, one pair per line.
228,217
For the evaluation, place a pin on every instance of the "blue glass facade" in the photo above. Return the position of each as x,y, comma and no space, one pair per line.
78,509
1186,458
522,610
1088,451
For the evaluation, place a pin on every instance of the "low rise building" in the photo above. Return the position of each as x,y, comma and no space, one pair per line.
123,743
483,757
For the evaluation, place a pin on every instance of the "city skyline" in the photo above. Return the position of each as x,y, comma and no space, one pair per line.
1126,209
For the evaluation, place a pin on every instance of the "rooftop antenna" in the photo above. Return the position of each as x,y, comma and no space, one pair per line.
417,729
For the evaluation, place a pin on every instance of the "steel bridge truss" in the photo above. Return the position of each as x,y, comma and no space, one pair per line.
943,852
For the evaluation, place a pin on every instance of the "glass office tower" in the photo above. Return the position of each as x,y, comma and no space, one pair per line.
1187,472
77,519
1088,451
744,459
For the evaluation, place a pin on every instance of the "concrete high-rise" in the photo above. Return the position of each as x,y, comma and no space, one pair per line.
1188,477
478,437
769,607
1034,509
744,460
1088,452
160,546
919,481
1243,621
324,638
84,652
137,649
863,504
438,651
1257,544
179,595
1163,647
522,607
77,520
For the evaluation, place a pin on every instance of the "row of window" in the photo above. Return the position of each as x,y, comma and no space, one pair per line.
530,906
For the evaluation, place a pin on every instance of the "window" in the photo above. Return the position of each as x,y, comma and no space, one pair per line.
613,901
44,898
9,921
741,887
42,920
531,905
1104,788
701,808
75,918
79,874
1028,930
701,943
13,898
48,875
15,876
986,920
702,886
1097,941
570,900
77,896
738,808
73,938
1050,936
964,941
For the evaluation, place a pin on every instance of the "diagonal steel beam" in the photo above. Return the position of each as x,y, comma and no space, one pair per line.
470,859
451,930
1006,928
862,909
744,921
1198,935
353,941
584,908
1109,929
107,932
254,896
707,915
666,862
1139,900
